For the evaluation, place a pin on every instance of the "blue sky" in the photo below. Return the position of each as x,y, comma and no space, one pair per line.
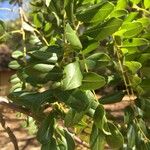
6,15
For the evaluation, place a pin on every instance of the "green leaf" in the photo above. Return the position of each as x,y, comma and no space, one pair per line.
145,21
39,68
146,4
32,100
128,115
72,38
37,77
135,42
27,27
101,31
2,24
135,1
45,132
76,99
121,4
69,139
73,117
50,145
92,81
60,138
97,139
100,119
136,80
14,79
16,87
98,60
38,19
133,66
131,136
115,140
44,56
90,47
112,98
79,100
69,7
47,2
14,65
130,29
95,13
146,71
17,54
145,85
73,76
132,16
119,13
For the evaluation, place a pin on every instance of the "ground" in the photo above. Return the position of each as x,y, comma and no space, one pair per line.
15,123
29,142
25,140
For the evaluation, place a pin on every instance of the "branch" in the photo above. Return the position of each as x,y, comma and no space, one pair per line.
4,102
79,141
9,132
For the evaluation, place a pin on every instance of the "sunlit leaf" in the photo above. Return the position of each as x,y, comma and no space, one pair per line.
101,31
96,13
72,38
72,76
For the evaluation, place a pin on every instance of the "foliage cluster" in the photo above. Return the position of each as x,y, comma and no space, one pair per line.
75,47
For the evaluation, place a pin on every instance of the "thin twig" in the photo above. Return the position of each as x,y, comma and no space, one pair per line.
79,141
9,132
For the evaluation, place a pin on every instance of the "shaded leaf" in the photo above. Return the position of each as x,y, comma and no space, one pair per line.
44,55
112,98
73,117
77,99
50,145
45,132
131,136
97,139
92,81
32,100
115,140
100,119
98,60
2,24
70,140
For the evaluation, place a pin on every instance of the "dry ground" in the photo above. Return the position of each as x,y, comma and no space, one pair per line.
25,140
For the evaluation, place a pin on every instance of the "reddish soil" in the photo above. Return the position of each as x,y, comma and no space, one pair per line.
25,140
